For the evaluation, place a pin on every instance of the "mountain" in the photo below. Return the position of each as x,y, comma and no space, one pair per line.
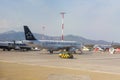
13,35
84,40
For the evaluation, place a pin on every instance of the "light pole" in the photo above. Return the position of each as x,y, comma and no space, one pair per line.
43,37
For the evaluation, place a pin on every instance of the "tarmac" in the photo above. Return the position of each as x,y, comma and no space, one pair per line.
40,65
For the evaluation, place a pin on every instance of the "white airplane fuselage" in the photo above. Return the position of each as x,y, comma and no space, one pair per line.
51,45
55,45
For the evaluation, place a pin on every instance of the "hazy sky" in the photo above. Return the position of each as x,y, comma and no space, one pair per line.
92,19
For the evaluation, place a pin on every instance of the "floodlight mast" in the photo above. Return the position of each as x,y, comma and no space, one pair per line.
43,29
62,13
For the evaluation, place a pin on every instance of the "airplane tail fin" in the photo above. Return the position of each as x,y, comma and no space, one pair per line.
28,34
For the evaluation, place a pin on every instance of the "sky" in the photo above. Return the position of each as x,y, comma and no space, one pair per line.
91,19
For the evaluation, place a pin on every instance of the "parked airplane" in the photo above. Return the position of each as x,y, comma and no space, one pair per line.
6,45
16,45
51,45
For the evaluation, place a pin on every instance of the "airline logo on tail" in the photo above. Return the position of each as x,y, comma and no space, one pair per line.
28,34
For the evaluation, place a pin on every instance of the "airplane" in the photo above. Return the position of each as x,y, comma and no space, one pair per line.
51,45
6,45
16,45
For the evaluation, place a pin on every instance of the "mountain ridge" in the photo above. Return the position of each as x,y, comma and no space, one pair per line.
13,35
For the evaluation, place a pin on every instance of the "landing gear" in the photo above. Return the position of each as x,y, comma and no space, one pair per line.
51,51
8,49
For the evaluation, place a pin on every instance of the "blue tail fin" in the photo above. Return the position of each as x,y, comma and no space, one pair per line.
28,34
